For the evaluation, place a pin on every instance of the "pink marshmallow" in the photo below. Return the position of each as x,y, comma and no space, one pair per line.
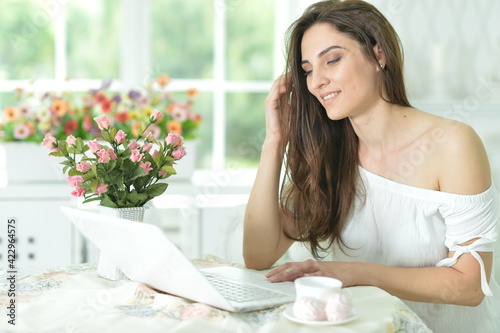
310,309
338,307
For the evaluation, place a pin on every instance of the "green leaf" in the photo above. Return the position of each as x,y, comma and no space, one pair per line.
74,172
107,202
57,154
156,189
80,146
112,133
169,169
88,176
137,173
92,199
106,136
93,184
63,147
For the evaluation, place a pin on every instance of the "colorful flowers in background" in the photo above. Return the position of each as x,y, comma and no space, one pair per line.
130,112
57,113
119,171
71,113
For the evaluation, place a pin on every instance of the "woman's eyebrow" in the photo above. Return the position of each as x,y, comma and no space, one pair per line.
324,51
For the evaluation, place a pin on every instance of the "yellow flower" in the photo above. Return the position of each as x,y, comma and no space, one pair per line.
44,125
148,112
134,115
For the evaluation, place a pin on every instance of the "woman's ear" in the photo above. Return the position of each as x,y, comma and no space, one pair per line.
379,54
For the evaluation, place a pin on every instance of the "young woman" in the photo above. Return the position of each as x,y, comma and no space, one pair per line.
401,199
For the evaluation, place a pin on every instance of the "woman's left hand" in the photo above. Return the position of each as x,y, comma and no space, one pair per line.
290,271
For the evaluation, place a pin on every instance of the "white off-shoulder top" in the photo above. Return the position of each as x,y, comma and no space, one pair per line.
405,226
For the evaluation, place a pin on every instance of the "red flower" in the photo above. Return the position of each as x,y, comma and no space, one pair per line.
100,97
122,117
70,126
106,105
87,123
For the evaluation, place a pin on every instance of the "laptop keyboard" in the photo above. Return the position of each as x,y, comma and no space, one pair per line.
238,291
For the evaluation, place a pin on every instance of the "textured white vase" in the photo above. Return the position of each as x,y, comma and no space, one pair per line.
106,268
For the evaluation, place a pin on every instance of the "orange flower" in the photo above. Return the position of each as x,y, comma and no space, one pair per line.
59,108
174,126
135,129
193,92
171,108
31,126
163,80
10,113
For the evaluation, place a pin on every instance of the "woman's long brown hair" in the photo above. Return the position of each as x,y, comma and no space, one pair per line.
321,164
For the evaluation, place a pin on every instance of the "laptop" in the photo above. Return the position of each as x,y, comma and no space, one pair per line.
144,254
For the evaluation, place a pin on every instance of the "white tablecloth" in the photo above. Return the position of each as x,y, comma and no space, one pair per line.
75,299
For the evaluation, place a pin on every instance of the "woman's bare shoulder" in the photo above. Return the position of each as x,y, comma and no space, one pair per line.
461,159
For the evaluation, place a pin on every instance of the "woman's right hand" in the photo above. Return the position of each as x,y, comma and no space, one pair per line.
272,107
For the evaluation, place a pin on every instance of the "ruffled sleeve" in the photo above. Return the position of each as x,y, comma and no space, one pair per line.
469,217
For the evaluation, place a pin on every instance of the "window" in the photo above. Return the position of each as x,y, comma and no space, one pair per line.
229,49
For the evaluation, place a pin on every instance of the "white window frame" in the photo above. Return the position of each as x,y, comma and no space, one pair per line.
135,60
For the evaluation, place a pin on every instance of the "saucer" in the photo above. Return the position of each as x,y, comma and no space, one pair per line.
288,313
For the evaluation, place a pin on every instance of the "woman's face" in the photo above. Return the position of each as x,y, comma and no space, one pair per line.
338,73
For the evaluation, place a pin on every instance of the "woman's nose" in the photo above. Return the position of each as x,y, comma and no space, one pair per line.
318,80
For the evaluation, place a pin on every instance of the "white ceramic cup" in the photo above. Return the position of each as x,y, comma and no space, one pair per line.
317,287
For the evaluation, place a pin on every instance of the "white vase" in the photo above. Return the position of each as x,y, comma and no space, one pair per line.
29,162
106,268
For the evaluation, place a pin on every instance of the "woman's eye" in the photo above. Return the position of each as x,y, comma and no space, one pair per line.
307,73
333,61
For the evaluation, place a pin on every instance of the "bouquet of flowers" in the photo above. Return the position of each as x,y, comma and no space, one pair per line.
119,172
131,111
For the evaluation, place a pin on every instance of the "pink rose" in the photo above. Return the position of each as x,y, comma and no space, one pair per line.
156,116
120,137
146,166
78,192
102,122
94,146
154,132
101,188
83,166
103,156
49,140
174,139
112,154
196,310
133,145
147,147
136,155
162,174
155,153
179,153
75,181
71,140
